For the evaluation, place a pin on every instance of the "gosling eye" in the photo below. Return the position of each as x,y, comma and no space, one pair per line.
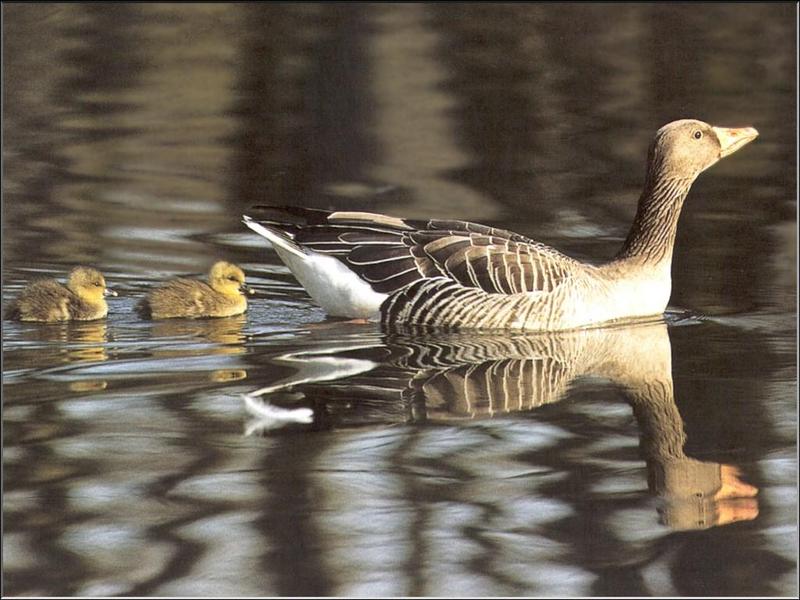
97,284
232,278
697,135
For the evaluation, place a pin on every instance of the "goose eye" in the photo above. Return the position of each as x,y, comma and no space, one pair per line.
697,135
98,284
232,278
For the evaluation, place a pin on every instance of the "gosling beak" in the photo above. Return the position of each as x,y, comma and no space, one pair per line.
109,292
730,140
244,288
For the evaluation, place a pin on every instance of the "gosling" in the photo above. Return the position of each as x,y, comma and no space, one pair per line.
46,300
222,296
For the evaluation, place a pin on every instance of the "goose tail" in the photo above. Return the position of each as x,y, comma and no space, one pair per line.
281,240
329,281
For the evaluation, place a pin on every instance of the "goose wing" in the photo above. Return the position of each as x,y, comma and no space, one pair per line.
390,253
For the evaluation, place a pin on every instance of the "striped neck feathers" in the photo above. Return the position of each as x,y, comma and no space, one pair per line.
652,235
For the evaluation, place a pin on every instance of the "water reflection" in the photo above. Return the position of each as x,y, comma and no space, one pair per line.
447,377
199,336
67,342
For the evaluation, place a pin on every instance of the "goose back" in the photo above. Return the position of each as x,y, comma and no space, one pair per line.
457,261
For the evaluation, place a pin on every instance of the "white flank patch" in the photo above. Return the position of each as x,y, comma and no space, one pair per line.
327,280
333,286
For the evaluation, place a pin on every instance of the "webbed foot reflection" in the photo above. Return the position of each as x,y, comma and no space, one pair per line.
448,377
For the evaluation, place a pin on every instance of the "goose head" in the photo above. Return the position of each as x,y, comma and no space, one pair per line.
684,149
88,284
227,278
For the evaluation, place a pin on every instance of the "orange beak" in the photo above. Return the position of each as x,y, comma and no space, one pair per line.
734,138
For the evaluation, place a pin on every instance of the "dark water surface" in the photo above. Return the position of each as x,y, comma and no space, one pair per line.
285,453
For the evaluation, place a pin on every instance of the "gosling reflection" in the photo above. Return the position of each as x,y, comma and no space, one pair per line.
225,336
446,377
226,375
74,341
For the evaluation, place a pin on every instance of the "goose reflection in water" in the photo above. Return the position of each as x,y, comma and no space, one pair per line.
435,377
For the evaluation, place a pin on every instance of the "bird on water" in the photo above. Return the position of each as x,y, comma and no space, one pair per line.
452,273
222,296
46,300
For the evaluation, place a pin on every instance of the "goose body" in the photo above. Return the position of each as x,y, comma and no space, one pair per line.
453,273
47,300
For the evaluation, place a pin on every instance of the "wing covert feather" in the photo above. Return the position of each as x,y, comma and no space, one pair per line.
389,253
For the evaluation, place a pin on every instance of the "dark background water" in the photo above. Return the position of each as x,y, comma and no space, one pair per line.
135,135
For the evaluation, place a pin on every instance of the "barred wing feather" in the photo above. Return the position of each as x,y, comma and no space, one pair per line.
390,253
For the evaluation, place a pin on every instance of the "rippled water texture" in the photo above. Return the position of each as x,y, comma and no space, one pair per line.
285,453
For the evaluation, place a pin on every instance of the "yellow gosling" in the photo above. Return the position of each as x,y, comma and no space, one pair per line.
46,300
222,296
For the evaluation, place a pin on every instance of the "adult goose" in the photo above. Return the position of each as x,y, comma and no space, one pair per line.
458,274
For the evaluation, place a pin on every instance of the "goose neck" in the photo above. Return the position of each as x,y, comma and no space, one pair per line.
652,235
